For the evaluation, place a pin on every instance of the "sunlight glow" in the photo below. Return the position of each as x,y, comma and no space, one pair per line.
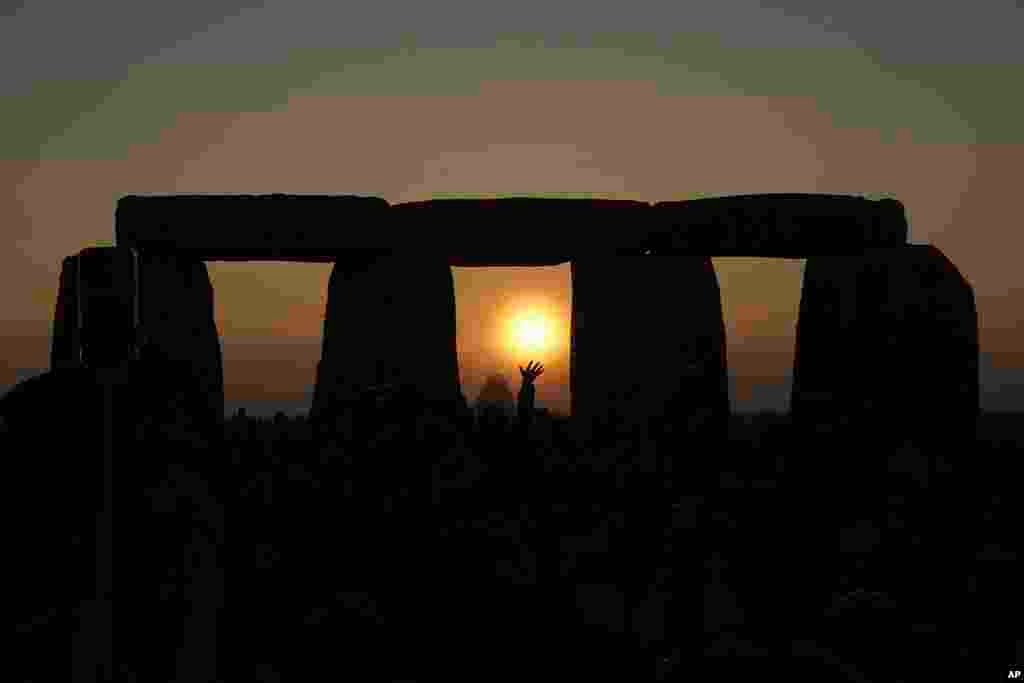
530,332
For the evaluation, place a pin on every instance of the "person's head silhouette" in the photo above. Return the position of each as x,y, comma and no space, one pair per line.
495,398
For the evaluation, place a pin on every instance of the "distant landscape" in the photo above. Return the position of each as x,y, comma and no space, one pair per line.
1002,388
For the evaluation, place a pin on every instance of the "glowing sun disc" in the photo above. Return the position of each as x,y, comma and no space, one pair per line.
530,332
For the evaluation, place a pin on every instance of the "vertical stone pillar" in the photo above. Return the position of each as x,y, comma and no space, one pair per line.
648,345
169,528
390,321
887,343
100,310
821,398
97,308
65,345
177,324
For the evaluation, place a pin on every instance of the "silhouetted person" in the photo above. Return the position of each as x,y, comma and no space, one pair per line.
527,394
495,399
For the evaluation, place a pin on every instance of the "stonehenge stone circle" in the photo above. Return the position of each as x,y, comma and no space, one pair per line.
630,259
887,337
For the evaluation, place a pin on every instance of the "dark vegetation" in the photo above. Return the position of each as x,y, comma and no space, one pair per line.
403,543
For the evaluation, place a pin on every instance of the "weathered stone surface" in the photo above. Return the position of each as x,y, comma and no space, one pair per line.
779,225
251,227
470,232
322,228
424,237
887,343
65,345
648,345
388,322
318,228
177,323
107,288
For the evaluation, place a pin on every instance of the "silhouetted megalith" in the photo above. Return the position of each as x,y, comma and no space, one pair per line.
65,345
388,321
101,322
177,321
648,344
314,228
779,225
888,341
187,229
96,310
547,230
108,300
250,227
163,303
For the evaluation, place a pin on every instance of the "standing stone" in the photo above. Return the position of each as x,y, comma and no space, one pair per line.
97,305
108,303
390,321
177,322
887,342
648,361
86,417
65,346
648,345
822,374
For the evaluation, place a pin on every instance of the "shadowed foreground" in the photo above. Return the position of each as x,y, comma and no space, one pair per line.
401,545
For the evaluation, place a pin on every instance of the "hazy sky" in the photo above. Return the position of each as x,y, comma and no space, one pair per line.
406,100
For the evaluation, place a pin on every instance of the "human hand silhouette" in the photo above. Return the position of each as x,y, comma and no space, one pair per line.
531,372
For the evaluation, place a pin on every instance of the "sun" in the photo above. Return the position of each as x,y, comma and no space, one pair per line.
530,332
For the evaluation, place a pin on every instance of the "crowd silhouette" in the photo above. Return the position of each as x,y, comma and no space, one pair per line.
411,540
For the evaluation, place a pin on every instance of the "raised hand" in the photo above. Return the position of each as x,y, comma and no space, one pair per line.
532,372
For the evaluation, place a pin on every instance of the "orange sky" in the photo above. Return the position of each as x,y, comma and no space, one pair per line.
272,352
612,121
